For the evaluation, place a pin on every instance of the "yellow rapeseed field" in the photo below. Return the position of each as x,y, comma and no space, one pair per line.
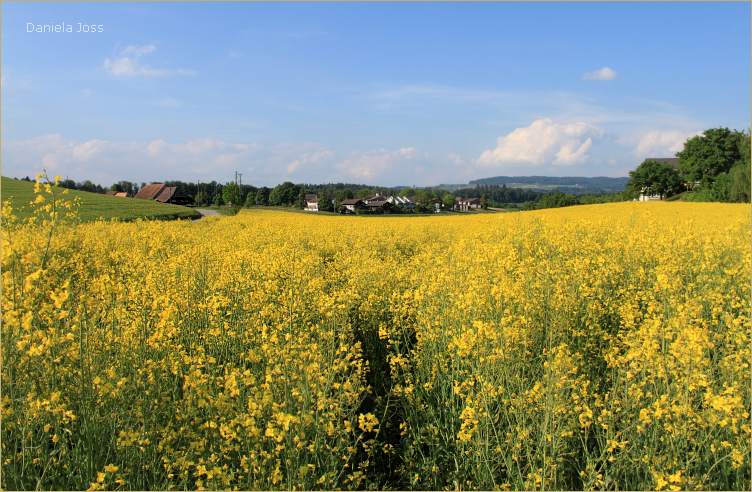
590,347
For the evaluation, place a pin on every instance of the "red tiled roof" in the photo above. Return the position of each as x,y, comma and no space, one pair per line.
149,192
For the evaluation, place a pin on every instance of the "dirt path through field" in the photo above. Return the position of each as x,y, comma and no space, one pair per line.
205,213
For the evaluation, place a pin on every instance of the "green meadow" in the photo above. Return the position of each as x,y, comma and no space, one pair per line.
95,206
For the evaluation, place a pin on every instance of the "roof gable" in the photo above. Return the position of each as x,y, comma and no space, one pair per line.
150,192
170,192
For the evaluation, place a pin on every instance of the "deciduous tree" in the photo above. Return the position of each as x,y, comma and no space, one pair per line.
364,192
285,194
449,201
262,196
423,196
325,202
740,175
706,156
343,195
232,195
653,177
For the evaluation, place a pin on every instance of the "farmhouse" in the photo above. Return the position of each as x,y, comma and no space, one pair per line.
382,206
165,194
118,193
466,204
352,204
312,202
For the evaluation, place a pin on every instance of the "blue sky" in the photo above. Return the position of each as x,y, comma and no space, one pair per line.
380,93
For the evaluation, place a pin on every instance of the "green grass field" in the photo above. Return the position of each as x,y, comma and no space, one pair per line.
21,193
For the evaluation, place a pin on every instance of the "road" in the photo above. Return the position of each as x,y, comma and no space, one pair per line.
206,213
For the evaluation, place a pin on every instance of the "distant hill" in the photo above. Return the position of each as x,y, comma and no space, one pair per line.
601,182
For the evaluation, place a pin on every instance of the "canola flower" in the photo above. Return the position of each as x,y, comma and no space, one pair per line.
591,347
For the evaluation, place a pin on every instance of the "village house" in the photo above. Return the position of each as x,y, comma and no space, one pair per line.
374,198
352,204
382,206
312,202
165,194
404,201
118,193
466,204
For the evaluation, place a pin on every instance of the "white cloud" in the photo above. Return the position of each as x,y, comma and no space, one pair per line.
372,165
293,166
126,66
138,51
85,93
155,147
86,151
457,159
661,144
322,156
543,143
604,73
234,54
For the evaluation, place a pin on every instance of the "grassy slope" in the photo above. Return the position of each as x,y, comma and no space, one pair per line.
94,205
